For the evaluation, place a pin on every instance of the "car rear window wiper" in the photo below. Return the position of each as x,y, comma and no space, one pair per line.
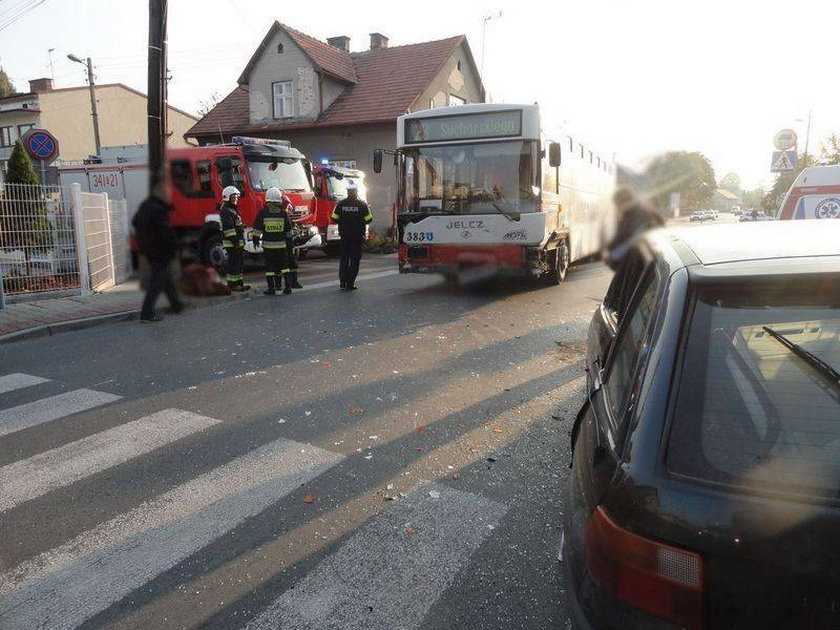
828,372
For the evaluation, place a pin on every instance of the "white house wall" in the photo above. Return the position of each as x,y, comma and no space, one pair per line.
290,65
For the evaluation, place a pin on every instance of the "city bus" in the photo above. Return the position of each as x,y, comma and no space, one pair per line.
482,191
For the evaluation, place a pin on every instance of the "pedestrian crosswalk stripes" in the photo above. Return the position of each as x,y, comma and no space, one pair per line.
67,585
33,477
52,408
11,382
390,572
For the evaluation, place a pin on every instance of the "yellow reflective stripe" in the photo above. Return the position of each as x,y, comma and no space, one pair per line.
335,216
368,216
227,244
269,274
286,271
230,232
274,244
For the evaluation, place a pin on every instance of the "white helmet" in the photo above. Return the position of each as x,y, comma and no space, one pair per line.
351,185
229,191
273,195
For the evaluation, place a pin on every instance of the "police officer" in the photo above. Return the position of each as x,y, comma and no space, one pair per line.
273,226
352,215
233,238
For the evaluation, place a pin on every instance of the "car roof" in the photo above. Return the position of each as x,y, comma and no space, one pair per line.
749,241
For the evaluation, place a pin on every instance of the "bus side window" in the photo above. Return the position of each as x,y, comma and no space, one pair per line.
550,181
181,174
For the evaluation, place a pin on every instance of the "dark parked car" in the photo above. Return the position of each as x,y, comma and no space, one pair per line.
705,482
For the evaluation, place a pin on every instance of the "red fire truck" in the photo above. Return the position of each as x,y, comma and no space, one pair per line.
253,165
331,187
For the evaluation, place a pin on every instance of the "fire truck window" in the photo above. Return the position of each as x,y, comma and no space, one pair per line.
205,183
182,175
230,173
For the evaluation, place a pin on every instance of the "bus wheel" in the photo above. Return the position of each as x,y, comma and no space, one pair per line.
562,261
213,254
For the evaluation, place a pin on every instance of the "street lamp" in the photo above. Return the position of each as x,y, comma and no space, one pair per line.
92,87
487,18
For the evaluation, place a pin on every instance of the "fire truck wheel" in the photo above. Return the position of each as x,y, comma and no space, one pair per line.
214,254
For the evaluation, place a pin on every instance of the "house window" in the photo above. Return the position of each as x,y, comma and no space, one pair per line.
279,49
6,136
283,99
456,100
22,129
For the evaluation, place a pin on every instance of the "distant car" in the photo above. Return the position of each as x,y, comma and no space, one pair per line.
697,215
737,211
706,458
715,215
754,216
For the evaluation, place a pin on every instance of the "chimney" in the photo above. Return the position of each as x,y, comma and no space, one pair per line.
342,42
377,41
40,85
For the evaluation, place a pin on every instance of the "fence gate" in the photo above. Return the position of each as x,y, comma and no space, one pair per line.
37,240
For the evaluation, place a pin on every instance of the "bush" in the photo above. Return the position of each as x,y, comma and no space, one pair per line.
380,245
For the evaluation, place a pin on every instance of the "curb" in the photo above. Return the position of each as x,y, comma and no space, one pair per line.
48,330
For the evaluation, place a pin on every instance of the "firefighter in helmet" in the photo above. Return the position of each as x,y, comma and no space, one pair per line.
233,238
273,227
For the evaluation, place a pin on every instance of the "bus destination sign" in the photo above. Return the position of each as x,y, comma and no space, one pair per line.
503,124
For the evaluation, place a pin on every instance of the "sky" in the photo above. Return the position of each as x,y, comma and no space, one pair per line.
633,78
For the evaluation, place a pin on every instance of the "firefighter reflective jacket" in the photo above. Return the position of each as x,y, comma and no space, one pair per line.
352,215
273,226
233,230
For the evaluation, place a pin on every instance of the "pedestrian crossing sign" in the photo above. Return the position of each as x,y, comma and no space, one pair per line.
783,161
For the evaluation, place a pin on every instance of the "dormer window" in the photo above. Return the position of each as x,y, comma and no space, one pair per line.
283,99
279,49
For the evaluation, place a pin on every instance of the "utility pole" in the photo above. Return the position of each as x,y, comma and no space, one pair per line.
487,18
93,110
807,137
52,69
156,104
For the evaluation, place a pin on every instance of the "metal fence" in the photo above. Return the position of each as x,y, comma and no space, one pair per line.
37,239
54,239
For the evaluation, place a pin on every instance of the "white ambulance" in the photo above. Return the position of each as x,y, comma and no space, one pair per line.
814,195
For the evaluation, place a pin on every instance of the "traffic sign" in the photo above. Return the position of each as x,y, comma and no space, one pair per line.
785,139
783,161
40,144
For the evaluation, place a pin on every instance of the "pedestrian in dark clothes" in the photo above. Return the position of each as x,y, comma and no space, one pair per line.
158,242
353,216
635,218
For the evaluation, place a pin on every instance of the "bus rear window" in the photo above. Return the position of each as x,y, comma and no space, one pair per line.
758,403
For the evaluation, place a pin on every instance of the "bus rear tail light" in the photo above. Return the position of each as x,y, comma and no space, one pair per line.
663,581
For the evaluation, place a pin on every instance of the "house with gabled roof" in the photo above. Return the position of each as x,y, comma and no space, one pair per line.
337,106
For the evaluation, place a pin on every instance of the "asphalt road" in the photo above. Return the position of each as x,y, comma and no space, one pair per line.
389,458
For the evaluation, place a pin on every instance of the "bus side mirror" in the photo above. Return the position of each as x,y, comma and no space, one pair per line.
554,156
377,161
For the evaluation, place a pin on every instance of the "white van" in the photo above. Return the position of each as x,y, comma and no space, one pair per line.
814,195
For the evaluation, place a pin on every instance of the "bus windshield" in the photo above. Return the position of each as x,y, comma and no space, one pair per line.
472,178
287,174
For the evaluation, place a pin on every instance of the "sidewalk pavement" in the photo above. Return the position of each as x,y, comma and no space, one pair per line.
45,317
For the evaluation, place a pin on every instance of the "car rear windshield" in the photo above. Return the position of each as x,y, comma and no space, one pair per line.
758,402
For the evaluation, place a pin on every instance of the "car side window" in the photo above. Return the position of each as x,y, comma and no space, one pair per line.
624,284
629,346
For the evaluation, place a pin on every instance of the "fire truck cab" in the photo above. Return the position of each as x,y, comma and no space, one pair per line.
198,176
331,187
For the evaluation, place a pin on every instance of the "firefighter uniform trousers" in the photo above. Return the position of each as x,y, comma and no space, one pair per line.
233,241
272,225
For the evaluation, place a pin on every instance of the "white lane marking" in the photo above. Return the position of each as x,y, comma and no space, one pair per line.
63,587
52,408
387,575
11,382
365,277
25,480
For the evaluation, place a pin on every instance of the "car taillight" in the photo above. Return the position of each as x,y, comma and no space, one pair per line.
658,579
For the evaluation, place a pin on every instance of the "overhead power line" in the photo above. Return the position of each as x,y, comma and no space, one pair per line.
11,17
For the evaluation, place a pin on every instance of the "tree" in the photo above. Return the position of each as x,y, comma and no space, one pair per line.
752,198
6,86
688,173
23,213
206,105
732,183
830,152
